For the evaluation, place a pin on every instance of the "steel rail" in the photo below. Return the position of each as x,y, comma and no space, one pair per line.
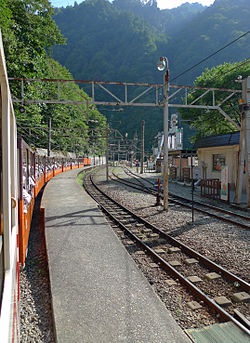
198,207
247,218
210,302
186,202
190,251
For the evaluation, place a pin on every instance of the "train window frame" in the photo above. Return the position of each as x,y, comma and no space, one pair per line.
219,161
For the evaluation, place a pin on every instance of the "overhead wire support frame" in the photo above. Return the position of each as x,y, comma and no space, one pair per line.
178,95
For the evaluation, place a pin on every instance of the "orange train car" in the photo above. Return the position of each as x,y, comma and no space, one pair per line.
87,161
35,170
9,263
24,171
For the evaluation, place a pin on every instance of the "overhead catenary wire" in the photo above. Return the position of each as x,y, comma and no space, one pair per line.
211,55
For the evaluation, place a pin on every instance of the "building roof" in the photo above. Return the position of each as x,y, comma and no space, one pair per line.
232,138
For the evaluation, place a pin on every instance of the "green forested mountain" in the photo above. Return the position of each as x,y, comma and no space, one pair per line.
122,41
106,43
164,20
213,29
116,41
29,32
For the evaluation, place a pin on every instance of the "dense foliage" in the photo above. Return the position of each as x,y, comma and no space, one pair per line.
29,32
212,122
122,41
215,31
117,41
106,43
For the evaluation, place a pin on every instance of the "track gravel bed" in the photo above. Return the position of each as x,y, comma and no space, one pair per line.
36,324
225,244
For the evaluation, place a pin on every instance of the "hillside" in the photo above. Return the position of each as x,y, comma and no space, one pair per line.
122,41
28,32
211,30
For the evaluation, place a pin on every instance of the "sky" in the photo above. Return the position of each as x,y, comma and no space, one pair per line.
162,4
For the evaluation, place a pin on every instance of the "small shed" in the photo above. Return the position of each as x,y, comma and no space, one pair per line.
215,152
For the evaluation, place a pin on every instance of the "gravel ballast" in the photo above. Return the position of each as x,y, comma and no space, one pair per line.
225,244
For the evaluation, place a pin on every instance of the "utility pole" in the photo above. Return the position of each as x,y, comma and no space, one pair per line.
107,153
246,99
244,153
163,66
142,145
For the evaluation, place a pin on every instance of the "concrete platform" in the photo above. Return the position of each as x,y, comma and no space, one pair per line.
98,293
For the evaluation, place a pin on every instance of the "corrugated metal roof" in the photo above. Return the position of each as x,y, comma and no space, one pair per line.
232,138
219,333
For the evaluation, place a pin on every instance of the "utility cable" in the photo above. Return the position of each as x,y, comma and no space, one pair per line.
211,55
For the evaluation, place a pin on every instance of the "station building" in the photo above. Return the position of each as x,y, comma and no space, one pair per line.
206,162
216,152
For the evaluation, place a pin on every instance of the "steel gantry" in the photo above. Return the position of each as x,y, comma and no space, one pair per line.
138,94
123,94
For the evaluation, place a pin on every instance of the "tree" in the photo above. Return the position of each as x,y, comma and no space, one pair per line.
29,32
123,40
33,31
208,123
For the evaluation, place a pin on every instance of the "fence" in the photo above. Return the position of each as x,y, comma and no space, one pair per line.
211,188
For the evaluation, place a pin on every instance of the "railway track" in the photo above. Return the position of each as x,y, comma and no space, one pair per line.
147,186
222,292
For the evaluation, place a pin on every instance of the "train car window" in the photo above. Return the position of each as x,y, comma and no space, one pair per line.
13,169
25,172
32,176
37,167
